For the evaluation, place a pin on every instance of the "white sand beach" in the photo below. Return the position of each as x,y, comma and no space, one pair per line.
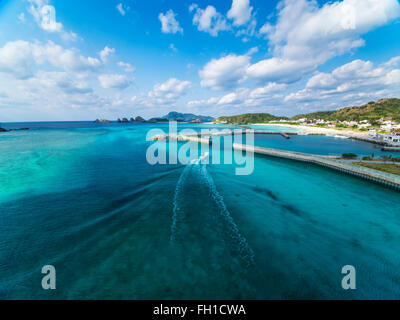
323,131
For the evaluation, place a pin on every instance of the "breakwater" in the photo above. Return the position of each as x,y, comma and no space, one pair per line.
383,178
203,137
331,162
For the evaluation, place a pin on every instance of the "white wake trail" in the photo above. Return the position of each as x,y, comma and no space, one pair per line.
195,166
246,252
178,212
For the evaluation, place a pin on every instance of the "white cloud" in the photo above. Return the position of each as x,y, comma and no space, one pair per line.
304,37
60,80
20,58
163,94
266,29
353,83
121,9
114,81
17,58
264,92
169,91
245,97
105,53
126,66
47,94
168,22
252,50
279,69
310,35
45,16
208,20
353,80
224,73
202,103
240,12
230,98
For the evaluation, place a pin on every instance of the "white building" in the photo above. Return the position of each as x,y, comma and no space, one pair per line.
364,126
391,139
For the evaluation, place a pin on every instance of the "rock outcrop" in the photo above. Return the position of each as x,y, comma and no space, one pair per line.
101,121
139,119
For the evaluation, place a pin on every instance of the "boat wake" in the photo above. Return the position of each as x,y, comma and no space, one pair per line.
227,224
178,212
246,252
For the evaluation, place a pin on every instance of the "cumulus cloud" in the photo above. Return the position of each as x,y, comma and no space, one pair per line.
208,20
245,97
60,80
168,22
19,58
304,37
163,94
240,12
114,81
356,75
48,91
352,82
279,69
126,66
45,16
203,102
105,53
309,35
224,73
170,90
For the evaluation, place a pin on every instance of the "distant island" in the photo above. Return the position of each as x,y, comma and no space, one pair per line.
187,117
125,120
9,130
250,118
172,116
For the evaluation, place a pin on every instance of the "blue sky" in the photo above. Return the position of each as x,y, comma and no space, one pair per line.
123,58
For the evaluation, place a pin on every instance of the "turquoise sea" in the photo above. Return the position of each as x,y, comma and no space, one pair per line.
83,198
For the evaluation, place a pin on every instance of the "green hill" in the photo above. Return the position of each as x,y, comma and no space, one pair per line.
372,111
250,118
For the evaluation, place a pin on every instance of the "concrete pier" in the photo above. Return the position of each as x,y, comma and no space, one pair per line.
285,135
182,137
391,149
383,178
331,162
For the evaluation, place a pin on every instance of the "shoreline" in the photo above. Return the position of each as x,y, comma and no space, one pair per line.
317,130
330,132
